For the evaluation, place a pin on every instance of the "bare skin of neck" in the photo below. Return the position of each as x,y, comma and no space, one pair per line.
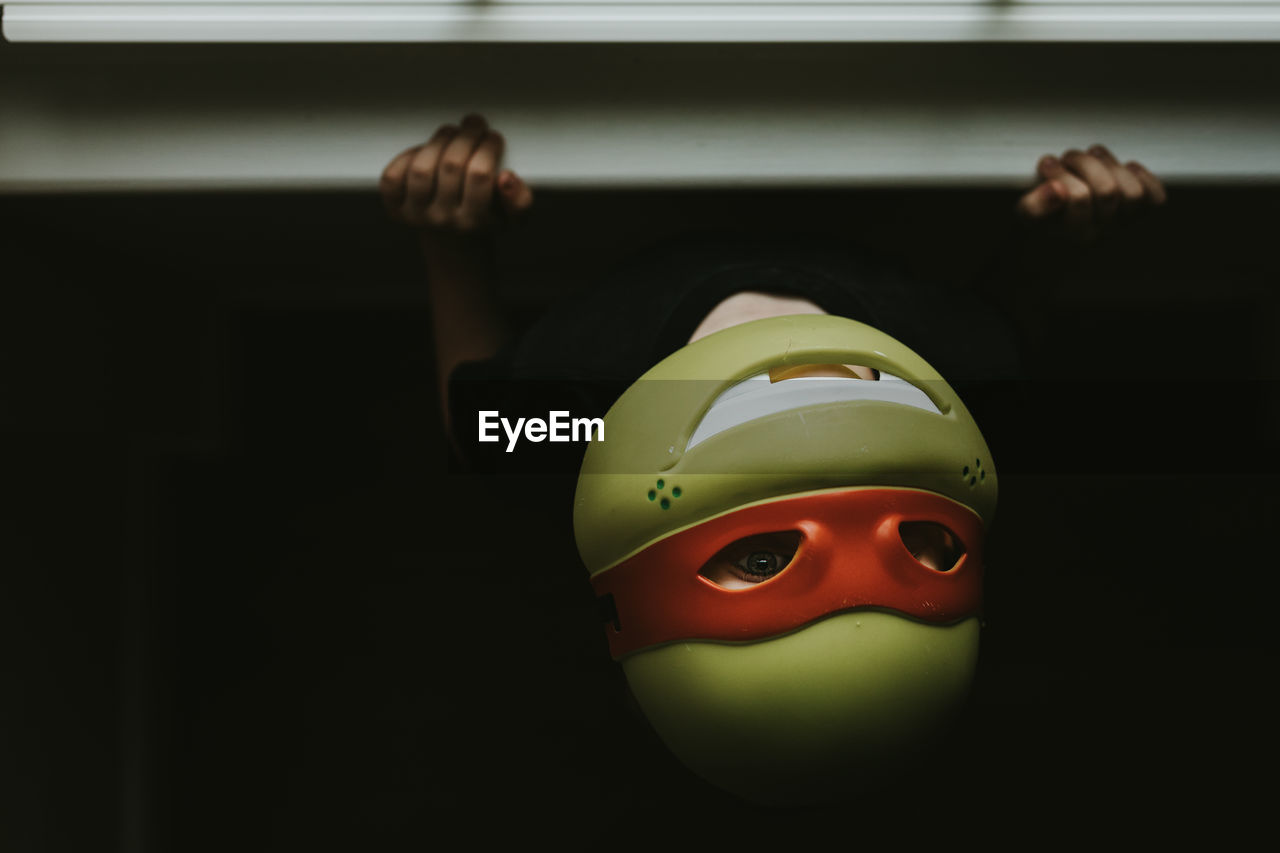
753,305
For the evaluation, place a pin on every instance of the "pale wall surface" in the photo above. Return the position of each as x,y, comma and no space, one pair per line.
163,117
597,21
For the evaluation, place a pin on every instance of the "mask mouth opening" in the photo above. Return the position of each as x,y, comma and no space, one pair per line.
752,560
781,389
931,544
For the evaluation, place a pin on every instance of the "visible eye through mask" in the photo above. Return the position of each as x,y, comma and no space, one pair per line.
932,544
752,560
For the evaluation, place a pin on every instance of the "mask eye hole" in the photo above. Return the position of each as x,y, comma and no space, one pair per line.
932,544
752,560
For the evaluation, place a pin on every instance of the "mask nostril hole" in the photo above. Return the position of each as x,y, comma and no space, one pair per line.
932,544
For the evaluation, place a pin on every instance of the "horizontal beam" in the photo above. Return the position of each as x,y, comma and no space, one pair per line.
329,117
640,21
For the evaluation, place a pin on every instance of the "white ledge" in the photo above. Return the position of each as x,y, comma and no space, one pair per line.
224,117
641,21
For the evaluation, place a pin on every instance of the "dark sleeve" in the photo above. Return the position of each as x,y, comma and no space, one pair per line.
1016,282
954,328
474,386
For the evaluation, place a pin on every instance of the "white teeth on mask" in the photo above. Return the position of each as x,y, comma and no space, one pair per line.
757,397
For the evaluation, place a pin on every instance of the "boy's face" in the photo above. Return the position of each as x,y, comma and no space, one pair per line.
794,566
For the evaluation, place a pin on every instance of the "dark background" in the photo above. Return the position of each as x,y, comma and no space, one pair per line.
243,605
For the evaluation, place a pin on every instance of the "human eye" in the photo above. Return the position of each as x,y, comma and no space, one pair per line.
933,545
759,565
752,560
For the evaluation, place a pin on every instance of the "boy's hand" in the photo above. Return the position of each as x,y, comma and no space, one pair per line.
1082,193
451,183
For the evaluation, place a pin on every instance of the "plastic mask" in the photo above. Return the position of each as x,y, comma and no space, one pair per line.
835,663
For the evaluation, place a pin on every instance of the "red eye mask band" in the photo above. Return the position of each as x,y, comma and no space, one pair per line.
851,555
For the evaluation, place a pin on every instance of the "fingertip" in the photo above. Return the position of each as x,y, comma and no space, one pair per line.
1102,152
518,197
1075,161
391,173
1049,166
1039,202
1138,169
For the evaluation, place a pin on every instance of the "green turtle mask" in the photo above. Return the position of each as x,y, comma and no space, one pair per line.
790,559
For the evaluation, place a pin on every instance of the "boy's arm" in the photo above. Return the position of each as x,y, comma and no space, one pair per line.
451,190
1080,197
465,322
